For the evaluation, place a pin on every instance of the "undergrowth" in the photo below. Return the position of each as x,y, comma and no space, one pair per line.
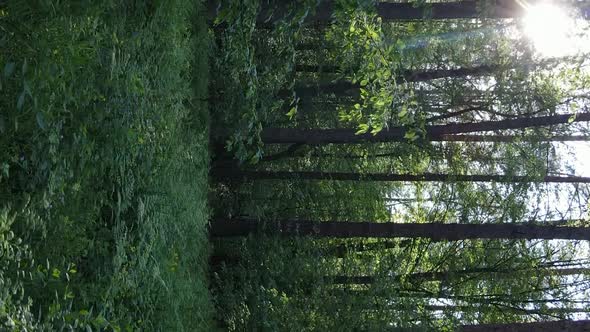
103,166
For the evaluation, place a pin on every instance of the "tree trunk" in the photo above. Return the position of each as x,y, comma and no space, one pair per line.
446,275
389,11
435,231
341,250
392,177
553,326
397,134
544,311
348,88
513,138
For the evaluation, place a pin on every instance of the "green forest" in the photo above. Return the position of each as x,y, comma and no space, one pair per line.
308,165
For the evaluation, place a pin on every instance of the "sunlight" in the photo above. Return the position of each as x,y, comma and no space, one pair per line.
553,32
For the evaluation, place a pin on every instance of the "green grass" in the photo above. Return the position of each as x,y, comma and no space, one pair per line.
103,163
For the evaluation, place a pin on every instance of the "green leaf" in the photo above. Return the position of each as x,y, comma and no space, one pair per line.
363,128
27,88
21,101
403,112
411,135
572,118
376,130
5,170
400,44
25,67
292,112
9,69
41,121
364,82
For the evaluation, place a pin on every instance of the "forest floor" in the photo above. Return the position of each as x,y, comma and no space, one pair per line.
104,162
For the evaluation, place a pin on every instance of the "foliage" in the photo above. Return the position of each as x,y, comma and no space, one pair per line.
103,175
355,71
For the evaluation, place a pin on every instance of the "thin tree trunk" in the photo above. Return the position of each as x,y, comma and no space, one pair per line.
293,149
513,138
341,250
392,177
434,276
347,87
397,134
553,326
545,311
435,231
388,11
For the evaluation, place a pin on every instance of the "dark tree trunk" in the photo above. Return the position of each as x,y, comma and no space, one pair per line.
513,138
390,11
545,311
553,326
390,177
343,249
435,231
397,134
340,88
292,151
434,276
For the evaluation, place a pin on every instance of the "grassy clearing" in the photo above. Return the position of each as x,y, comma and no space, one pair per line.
103,158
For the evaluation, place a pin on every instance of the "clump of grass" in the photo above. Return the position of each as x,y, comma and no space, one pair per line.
103,163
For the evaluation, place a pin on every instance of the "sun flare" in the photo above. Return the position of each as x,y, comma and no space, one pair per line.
553,32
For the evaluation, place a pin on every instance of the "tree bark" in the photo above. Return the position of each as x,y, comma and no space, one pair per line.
397,134
435,231
553,326
349,88
446,275
341,250
389,11
545,311
513,138
392,177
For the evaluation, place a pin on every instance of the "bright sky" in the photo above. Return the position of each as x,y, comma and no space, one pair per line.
582,157
555,31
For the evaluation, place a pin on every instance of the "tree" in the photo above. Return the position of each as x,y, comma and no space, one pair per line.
514,138
435,231
388,11
398,134
553,326
446,275
392,177
343,87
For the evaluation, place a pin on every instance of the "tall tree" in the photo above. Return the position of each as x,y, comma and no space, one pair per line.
323,13
343,87
552,326
398,134
436,231
447,275
392,177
